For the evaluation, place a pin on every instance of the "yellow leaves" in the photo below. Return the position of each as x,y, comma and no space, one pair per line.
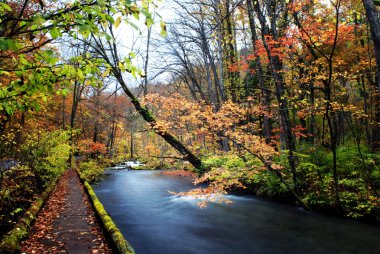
196,121
276,166
117,22
161,127
105,73
121,66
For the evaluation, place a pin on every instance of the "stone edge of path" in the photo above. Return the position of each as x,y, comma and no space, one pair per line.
11,242
120,243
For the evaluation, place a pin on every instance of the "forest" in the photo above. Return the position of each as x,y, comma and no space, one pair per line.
280,98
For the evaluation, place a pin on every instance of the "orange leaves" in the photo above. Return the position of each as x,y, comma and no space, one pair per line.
281,47
274,46
152,150
201,121
87,146
250,57
241,65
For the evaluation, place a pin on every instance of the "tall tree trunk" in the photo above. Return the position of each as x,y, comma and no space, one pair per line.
147,61
219,91
233,76
265,95
330,113
77,93
220,39
311,131
132,142
373,21
18,135
97,115
276,69
112,135
210,65
63,112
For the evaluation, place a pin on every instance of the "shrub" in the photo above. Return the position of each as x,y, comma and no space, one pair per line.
228,162
267,184
91,170
47,154
19,188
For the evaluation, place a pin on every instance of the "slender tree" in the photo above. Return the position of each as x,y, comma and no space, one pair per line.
374,24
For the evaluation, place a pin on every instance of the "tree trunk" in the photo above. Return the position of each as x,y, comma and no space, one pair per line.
265,96
77,93
147,61
144,112
218,15
111,51
63,112
208,60
132,142
276,68
374,25
233,76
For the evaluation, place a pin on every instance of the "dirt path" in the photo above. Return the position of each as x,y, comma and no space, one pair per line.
67,223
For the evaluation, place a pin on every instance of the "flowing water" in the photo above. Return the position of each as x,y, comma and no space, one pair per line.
154,221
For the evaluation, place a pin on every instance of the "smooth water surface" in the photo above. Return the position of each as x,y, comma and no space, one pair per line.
154,221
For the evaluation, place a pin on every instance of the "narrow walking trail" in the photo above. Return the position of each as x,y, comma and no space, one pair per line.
67,223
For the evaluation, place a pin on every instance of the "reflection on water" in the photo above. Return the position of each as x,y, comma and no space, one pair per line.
154,221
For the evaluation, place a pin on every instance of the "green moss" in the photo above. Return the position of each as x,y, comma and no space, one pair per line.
117,237
11,243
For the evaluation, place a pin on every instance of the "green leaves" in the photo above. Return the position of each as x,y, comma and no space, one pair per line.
149,22
4,6
163,29
3,44
9,44
41,70
39,20
22,23
54,33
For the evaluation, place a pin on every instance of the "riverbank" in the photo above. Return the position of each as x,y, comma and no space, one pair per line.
231,175
244,174
180,172
154,221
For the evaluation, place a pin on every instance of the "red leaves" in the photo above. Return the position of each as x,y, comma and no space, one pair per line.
87,146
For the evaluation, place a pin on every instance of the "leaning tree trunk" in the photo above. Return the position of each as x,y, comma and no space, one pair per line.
109,54
168,137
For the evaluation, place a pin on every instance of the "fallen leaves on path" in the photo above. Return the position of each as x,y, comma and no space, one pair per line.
50,234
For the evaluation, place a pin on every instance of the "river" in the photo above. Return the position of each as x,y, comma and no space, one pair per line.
154,221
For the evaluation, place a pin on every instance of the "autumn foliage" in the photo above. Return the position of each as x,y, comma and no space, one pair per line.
279,98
